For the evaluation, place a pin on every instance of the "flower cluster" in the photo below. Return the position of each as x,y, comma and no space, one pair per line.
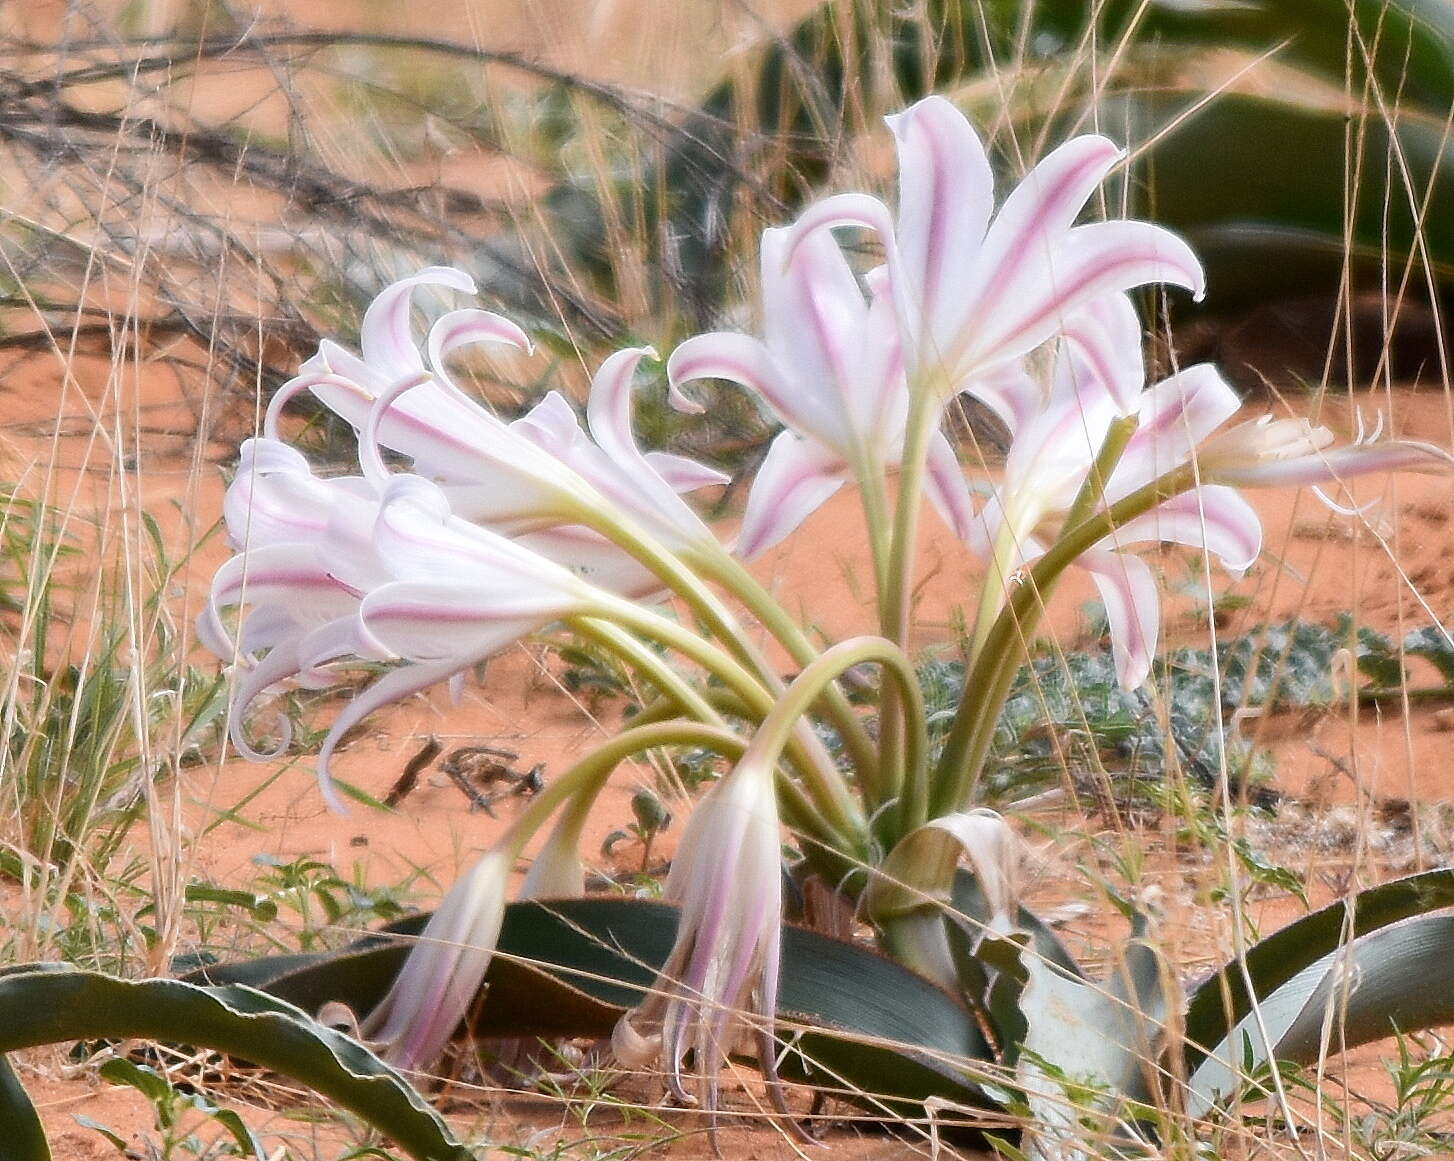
499,530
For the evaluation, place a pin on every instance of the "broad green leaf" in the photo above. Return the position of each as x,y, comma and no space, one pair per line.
50,1004
1397,979
1059,1030
20,1126
1221,1002
569,968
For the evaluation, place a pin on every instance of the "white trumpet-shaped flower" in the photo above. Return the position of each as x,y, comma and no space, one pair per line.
343,575
830,368
723,969
1177,421
540,472
441,977
976,290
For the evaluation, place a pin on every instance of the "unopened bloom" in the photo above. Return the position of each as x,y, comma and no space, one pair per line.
441,977
831,368
974,294
727,880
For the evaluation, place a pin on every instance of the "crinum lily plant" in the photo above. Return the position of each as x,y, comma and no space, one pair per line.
496,531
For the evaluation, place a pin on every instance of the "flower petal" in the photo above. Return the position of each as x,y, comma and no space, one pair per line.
865,213
1106,336
280,664
1010,392
738,358
385,335
1087,263
683,474
419,539
1039,211
1323,467
608,405
945,486
594,559
814,320
1212,517
946,193
394,686
1133,610
441,977
288,575
438,620
464,328
796,477
1175,415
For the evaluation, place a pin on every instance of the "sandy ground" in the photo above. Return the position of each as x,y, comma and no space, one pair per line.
129,440
1390,566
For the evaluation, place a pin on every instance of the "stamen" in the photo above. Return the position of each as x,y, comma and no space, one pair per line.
1341,509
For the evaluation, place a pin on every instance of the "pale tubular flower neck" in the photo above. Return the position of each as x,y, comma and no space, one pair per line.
727,880
1260,441
441,977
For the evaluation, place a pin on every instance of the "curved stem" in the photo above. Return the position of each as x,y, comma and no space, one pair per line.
821,778
729,572
672,685
681,580
988,682
679,697
589,774
777,728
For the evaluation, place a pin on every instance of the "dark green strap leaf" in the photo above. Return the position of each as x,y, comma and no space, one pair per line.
1398,979
50,1006
20,1127
1218,1003
570,967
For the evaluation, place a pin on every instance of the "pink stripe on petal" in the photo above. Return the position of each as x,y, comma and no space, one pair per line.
1030,225
394,686
1089,261
683,474
814,321
280,664
464,328
385,334
796,477
1133,610
1213,518
946,193
436,620
1106,334
608,406
1176,415
1341,464
946,488
738,358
